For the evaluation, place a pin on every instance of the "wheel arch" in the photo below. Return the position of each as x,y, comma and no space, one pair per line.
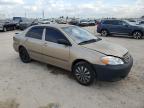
20,46
105,29
82,60
137,31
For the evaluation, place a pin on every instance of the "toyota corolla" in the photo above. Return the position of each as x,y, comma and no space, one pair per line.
75,49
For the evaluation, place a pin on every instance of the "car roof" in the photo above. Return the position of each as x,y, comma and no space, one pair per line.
53,25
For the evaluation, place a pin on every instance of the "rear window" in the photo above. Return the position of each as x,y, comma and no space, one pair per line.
35,32
107,22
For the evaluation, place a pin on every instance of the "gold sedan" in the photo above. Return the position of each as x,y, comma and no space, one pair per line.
75,49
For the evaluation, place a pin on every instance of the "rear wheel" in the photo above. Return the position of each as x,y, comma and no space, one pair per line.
104,33
137,35
24,56
84,73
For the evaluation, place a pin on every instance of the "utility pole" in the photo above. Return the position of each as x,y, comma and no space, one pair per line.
43,15
25,14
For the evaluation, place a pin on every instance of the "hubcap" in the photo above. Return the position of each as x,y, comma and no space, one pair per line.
104,33
82,74
137,35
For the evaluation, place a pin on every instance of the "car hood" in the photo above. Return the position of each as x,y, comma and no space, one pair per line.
141,25
138,26
107,48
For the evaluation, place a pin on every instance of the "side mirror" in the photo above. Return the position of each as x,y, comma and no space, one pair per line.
64,42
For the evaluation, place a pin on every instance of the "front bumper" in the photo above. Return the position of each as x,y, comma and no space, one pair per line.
113,72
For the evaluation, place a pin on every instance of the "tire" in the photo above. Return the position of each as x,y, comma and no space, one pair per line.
24,56
137,35
83,73
4,29
104,33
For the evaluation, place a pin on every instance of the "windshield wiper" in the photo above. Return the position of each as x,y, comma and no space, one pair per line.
89,41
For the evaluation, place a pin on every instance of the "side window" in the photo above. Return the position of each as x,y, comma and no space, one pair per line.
115,22
107,22
53,35
123,23
35,32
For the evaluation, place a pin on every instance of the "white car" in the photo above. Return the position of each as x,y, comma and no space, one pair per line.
45,21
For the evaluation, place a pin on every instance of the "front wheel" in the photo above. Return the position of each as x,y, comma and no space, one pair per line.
137,35
84,73
24,56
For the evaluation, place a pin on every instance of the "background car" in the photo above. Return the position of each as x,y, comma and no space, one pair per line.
18,20
120,27
91,23
83,22
74,22
27,23
44,21
61,21
7,24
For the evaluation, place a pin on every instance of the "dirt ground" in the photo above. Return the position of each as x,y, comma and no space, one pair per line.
35,85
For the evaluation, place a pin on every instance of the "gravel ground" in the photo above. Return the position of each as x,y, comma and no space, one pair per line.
35,85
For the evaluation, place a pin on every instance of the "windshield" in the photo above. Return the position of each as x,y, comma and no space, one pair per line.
16,18
78,34
130,22
83,20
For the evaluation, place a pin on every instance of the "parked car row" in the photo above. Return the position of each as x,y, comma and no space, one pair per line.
20,23
83,22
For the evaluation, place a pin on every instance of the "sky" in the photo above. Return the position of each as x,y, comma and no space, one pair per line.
72,8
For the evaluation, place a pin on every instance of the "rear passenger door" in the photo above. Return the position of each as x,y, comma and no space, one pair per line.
54,53
34,42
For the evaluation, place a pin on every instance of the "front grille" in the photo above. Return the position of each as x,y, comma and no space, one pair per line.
126,58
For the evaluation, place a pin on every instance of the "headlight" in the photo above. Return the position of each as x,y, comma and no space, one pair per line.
111,60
